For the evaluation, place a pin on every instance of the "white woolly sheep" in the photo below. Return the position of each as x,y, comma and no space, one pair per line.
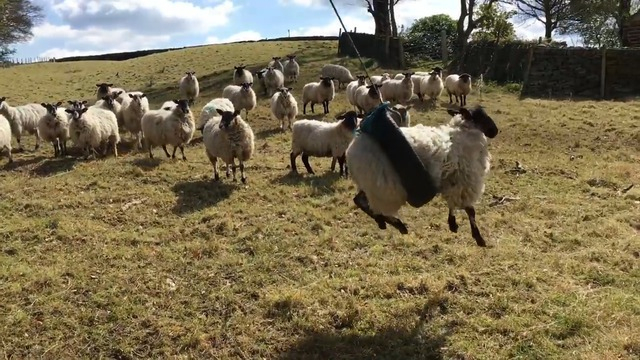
284,106
273,80
211,109
5,138
291,68
92,127
105,89
241,75
77,104
169,127
379,79
276,63
168,105
242,97
321,92
322,139
400,115
398,90
228,137
189,87
367,97
458,86
455,156
416,79
352,87
23,118
432,86
110,103
53,127
133,109
337,72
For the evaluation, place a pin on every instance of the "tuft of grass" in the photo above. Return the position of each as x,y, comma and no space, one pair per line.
141,258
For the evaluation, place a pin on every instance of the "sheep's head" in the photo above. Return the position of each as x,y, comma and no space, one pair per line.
182,106
190,74
104,87
291,57
408,74
109,100
228,117
77,104
137,98
276,58
326,80
115,94
479,118
269,69
285,91
438,69
350,119
76,113
361,79
434,74
2,100
246,86
51,108
373,89
465,77
239,69
403,110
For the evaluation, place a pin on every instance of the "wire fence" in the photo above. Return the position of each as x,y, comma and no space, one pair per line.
24,61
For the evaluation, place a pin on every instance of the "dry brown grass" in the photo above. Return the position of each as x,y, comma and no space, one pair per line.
133,258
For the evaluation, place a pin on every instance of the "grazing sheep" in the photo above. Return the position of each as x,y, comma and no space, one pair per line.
105,89
291,68
337,72
53,127
211,109
169,127
5,138
321,92
432,86
416,78
322,139
367,97
276,63
284,106
352,87
92,127
398,90
241,75
23,118
455,156
379,79
228,137
260,74
133,109
458,86
189,87
242,97
273,80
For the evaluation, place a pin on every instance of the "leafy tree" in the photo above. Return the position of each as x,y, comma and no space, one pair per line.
17,19
423,37
551,13
494,24
467,13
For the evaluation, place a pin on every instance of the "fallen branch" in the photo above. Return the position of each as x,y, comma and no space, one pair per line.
500,200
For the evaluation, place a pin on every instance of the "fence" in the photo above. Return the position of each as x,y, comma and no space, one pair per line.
371,46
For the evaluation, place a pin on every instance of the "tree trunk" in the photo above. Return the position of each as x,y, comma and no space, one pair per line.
379,9
548,30
624,11
392,16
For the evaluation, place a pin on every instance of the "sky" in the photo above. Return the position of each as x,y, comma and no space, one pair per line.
87,27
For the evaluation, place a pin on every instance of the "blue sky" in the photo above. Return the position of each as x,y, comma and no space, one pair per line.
83,27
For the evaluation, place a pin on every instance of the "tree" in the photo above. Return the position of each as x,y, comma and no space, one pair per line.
494,24
423,37
551,13
17,19
467,9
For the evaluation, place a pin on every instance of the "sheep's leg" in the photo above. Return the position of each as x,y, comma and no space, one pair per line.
333,164
9,154
326,106
475,232
182,152
361,202
233,169
453,225
56,150
420,97
164,147
37,142
463,100
214,162
114,144
292,158
341,163
150,152
289,123
18,141
246,114
312,109
305,161
173,156
227,173
242,177
450,98
304,108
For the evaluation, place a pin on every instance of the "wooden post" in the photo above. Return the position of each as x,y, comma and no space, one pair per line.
401,53
339,32
525,83
603,73
445,46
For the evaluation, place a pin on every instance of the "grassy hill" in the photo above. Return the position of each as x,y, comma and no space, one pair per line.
133,258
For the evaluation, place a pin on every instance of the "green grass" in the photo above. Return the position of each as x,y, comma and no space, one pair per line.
133,258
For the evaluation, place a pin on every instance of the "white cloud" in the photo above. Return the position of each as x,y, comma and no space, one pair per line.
241,36
305,3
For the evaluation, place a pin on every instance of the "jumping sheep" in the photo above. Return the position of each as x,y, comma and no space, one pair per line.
228,137
455,156
337,72
23,118
284,106
189,87
321,92
5,138
133,109
273,80
352,87
211,109
458,86
169,127
291,68
92,127
367,97
53,127
276,63
398,90
242,97
432,86
241,75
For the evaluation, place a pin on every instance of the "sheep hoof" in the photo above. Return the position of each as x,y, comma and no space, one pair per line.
216,177
244,180
184,158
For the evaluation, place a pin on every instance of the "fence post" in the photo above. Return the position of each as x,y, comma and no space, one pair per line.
603,73
339,32
445,46
525,83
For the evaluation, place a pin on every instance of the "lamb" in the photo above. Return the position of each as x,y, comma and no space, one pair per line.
210,110
432,86
352,87
23,118
321,92
228,137
241,75
337,72
5,138
105,89
284,106
242,97
322,139
133,109
367,97
416,78
273,80
169,127
276,64
459,86
455,156
291,68
189,87
398,90
91,127
53,127
379,79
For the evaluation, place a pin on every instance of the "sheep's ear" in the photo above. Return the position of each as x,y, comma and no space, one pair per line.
220,112
69,102
360,116
130,96
117,93
44,105
109,85
143,95
466,114
84,102
98,85
408,107
341,116
289,89
452,112
236,112
69,110
176,101
58,103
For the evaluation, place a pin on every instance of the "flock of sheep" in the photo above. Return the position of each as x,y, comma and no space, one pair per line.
454,157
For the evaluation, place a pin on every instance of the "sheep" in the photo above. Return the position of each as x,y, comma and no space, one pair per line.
379,79
458,86
276,64
321,92
109,103
77,104
291,68
273,80
454,155
398,90
367,97
5,138
133,109
432,86
105,89
53,127
169,127
168,105
337,72
241,75
210,110
322,139
284,106
242,97
91,127
416,79
189,87
352,87
260,74
23,118
228,137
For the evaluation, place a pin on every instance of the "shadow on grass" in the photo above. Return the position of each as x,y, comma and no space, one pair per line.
323,181
146,163
263,134
54,166
200,194
18,163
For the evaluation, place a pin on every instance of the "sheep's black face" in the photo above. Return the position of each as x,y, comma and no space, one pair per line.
51,108
104,87
408,74
373,89
350,119
2,99
291,57
183,105
239,69
77,104
481,120
465,78
325,81
76,113
246,86
227,118
190,74
276,58
285,91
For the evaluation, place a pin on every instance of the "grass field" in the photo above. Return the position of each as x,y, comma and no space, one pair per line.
134,258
